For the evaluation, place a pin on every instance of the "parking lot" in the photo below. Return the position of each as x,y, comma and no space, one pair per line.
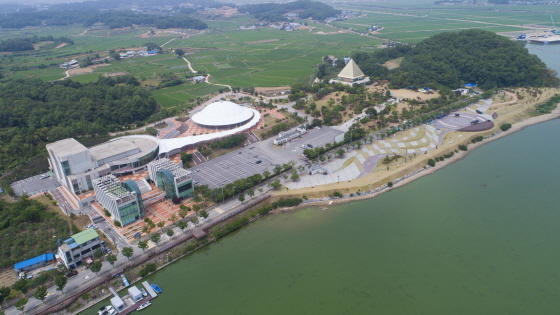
34,185
230,167
315,137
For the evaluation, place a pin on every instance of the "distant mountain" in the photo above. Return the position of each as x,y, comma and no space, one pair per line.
275,12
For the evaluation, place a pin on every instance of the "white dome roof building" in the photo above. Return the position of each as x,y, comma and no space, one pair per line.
223,115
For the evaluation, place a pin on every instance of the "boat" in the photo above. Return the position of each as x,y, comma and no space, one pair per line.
104,310
144,293
156,288
125,281
143,306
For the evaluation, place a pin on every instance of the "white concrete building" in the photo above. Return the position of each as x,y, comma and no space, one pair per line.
122,199
76,166
284,137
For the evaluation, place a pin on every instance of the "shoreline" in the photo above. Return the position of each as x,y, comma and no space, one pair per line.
456,157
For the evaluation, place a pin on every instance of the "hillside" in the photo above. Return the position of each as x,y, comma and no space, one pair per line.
273,12
455,58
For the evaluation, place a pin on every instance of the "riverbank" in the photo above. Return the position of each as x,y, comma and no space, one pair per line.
372,185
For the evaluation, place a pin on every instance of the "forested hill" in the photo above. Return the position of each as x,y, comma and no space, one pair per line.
113,19
455,58
274,12
33,113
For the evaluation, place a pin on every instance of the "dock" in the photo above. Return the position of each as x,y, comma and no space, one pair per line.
134,306
149,289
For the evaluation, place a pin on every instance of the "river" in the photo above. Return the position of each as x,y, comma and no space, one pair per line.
477,237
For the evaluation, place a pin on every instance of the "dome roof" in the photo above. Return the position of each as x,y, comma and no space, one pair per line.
222,113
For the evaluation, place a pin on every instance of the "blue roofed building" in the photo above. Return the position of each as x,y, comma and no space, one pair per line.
35,262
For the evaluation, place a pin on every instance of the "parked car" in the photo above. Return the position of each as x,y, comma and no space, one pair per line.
309,145
258,162
108,251
71,273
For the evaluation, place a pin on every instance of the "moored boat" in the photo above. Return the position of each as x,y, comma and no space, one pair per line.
156,288
143,306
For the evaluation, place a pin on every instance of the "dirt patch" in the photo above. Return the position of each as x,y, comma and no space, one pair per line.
392,64
41,44
115,74
7,278
272,90
224,11
329,33
78,71
61,45
263,41
402,93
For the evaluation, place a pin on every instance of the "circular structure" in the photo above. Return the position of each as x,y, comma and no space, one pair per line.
223,115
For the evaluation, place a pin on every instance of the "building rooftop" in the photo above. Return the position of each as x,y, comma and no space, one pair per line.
66,147
130,146
351,71
34,260
85,236
222,113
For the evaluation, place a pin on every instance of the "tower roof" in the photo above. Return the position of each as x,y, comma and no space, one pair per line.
351,71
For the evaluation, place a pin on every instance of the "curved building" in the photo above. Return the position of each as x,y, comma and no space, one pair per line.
223,115
76,166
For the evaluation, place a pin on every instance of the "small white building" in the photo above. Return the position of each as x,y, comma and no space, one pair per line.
118,303
135,293
284,137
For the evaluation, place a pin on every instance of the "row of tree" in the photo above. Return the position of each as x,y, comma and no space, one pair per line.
113,19
26,43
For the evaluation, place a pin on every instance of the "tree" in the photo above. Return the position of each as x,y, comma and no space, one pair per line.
111,259
143,245
183,211
96,266
295,176
173,218
20,304
196,208
251,193
277,169
60,283
4,293
41,293
266,174
151,131
179,52
203,214
155,238
275,184
182,225
340,153
117,224
127,252
241,197
160,224
194,220
98,253
170,232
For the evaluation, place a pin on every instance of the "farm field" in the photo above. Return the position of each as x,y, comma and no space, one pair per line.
267,57
412,25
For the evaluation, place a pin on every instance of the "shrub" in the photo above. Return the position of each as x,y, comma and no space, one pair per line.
431,162
147,270
477,139
390,184
107,213
462,147
117,224
336,194
505,127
